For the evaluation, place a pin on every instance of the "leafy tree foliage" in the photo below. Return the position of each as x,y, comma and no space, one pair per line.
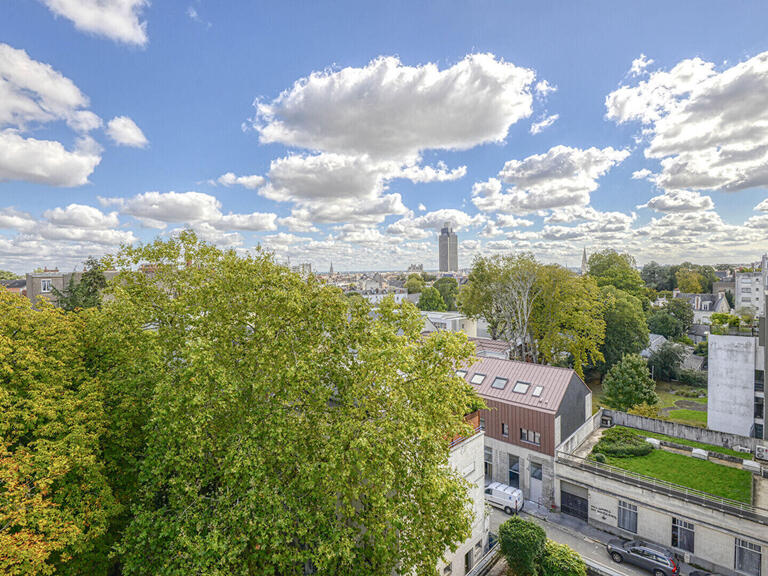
285,427
561,560
689,281
616,269
628,384
664,323
730,299
414,284
658,276
626,330
666,361
431,299
8,275
476,298
449,289
646,410
523,544
87,292
567,320
55,500
725,319
681,309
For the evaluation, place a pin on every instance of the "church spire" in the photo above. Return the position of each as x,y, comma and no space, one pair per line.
330,272
584,267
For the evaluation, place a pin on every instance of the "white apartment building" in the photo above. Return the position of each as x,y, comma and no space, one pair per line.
751,286
466,458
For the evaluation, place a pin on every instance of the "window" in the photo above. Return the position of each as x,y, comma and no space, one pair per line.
499,383
461,373
537,391
745,299
448,570
748,558
478,378
482,423
46,285
514,471
535,471
759,407
488,462
504,430
682,534
521,387
758,430
530,436
479,549
468,563
627,516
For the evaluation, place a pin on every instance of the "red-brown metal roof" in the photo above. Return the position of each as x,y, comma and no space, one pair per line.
553,381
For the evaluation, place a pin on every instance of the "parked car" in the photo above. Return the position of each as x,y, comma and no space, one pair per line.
506,497
656,559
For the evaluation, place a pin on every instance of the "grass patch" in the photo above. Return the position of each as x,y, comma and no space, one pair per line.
692,443
685,416
724,481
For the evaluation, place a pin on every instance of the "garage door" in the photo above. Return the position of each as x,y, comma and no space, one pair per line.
574,504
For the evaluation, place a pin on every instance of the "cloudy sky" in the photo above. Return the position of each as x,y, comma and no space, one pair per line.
350,131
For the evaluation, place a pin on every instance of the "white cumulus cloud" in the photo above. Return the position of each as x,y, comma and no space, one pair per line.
125,132
119,20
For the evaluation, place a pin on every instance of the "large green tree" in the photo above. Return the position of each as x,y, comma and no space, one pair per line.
449,289
617,269
87,292
628,384
658,276
431,299
477,296
522,543
561,560
8,275
286,427
664,323
626,330
55,501
567,321
414,284
681,309
665,362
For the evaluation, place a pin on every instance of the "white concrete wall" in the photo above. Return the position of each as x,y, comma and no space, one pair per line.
715,532
467,459
500,471
732,362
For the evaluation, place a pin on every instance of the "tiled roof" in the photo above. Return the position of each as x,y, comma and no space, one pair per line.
553,382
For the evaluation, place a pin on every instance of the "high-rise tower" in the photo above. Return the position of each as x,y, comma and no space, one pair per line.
449,249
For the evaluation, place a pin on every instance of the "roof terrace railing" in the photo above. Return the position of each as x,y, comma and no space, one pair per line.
712,501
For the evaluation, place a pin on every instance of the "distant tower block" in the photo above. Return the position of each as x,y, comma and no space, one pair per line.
449,249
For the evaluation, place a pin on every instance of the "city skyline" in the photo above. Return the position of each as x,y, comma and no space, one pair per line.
648,138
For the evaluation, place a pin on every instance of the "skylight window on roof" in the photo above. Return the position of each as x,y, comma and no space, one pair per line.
461,373
499,383
537,391
521,387
478,378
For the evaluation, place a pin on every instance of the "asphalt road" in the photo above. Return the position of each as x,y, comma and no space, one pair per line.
587,547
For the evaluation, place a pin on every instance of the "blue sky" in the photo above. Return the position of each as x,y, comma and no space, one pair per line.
351,131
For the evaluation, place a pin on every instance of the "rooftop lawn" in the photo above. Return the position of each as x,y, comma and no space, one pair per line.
691,417
702,475
694,444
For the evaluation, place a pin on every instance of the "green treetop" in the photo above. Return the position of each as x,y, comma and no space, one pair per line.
628,384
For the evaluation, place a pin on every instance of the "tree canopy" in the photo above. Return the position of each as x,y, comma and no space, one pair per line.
681,309
664,323
449,289
8,275
288,428
626,330
55,499
628,384
414,284
616,269
476,298
666,361
431,299
87,292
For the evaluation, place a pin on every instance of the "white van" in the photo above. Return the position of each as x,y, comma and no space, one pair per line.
505,497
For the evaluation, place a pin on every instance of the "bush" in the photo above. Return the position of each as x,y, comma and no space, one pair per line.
645,409
621,443
522,544
600,458
693,378
561,560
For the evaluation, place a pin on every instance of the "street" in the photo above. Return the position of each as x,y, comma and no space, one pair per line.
586,547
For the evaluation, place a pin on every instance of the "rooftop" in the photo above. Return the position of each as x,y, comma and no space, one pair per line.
532,385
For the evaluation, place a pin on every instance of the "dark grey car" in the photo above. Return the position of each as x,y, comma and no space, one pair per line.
656,559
